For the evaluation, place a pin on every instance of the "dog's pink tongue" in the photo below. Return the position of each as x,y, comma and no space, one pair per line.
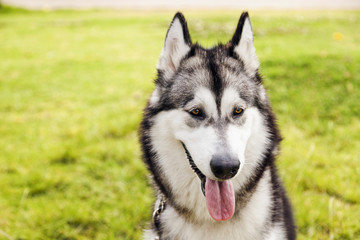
220,199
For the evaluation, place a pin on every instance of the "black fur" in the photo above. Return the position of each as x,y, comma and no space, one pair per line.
217,84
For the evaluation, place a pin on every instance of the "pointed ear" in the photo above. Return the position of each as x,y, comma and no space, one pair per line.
242,44
177,45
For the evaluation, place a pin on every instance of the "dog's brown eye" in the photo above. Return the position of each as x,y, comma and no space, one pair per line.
196,112
238,111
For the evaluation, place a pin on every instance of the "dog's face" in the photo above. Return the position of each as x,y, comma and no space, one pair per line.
210,109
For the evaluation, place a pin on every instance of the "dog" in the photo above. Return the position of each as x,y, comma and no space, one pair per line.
209,140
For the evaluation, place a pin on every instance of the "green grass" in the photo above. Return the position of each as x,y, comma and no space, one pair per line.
73,86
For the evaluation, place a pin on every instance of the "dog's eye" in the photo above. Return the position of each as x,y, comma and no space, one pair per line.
196,112
237,111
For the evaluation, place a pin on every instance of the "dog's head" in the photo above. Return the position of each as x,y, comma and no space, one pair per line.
209,113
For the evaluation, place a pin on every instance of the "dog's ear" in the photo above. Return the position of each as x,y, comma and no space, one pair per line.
177,45
242,44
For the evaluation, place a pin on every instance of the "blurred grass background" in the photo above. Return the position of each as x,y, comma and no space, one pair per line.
73,85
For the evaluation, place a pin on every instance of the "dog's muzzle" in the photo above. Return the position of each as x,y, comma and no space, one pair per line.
219,194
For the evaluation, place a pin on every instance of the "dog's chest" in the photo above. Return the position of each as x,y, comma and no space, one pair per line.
180,230
252,222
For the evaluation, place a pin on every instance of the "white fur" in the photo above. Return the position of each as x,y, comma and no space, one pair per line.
246,49
155,97
277,233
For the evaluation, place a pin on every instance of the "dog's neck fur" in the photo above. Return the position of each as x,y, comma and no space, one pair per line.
249,222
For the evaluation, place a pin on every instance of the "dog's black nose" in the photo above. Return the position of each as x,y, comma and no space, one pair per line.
224,166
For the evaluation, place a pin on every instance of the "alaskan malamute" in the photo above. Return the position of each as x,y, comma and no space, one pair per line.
210,139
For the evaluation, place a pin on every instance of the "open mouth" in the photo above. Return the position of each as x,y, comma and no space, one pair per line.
220,196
